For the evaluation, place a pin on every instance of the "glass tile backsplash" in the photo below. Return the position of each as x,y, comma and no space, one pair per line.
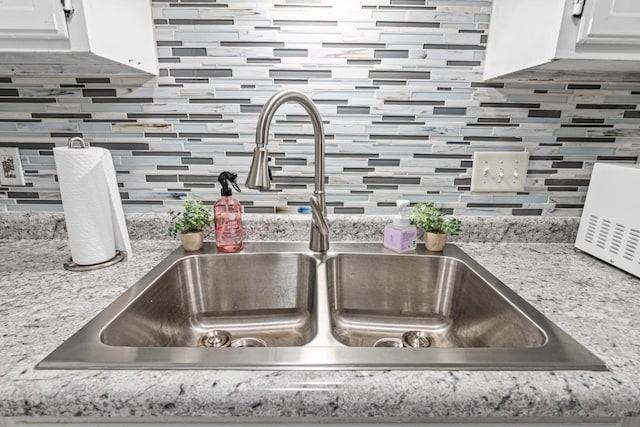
398,84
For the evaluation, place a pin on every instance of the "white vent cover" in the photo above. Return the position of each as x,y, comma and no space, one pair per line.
610,224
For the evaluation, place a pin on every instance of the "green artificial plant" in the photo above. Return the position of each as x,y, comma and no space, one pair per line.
195,217
431,219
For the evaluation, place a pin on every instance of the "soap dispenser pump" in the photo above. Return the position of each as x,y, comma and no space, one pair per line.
228,216
400,236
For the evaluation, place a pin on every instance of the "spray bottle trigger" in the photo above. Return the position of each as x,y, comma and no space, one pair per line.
234,184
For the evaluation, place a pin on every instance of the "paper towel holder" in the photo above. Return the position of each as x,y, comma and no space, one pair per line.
77,142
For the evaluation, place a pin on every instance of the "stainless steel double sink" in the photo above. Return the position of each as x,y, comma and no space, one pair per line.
359,306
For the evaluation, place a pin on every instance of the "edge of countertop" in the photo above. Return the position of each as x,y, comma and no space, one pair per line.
259,227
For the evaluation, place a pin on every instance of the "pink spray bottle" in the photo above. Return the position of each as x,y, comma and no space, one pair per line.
228,215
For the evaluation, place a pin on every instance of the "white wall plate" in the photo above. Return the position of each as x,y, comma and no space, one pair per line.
499,171
12,172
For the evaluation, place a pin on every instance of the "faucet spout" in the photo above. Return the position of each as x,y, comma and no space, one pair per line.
259,176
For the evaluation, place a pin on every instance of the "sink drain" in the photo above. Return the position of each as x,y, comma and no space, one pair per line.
388,342
248,342
215,339
416,339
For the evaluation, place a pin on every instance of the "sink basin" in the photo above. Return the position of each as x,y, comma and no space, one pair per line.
267,297
359,306
375,297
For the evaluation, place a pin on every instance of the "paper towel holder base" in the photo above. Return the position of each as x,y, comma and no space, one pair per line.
72,266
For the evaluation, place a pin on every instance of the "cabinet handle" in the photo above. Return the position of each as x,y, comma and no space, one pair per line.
67,7
578,7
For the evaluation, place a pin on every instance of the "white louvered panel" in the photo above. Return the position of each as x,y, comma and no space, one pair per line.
610,224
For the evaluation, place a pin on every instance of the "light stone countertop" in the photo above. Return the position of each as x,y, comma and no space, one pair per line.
42,305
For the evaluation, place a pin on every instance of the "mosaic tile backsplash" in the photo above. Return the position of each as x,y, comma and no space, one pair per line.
399,86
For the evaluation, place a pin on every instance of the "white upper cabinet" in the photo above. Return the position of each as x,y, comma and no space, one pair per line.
88,37
610,22
545,40
32,20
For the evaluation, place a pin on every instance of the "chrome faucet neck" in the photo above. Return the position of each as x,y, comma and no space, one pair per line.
259,176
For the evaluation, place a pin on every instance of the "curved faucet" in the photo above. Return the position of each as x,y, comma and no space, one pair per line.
260,175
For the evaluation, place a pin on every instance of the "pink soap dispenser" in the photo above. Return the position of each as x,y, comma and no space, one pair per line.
401,236
228,214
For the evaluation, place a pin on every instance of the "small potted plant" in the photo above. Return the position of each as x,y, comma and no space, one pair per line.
190,224
435,224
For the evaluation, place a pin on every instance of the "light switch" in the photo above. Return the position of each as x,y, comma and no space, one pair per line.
499,171
12,173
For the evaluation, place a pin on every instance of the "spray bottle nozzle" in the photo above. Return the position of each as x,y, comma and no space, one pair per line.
226,178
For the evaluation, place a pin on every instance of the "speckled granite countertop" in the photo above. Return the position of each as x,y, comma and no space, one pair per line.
42,305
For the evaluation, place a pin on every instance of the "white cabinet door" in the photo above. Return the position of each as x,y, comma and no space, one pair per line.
610,22
32,19
36,38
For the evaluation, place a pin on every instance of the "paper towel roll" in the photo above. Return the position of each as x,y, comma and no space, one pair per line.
91,203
